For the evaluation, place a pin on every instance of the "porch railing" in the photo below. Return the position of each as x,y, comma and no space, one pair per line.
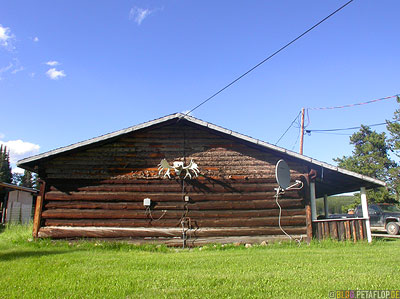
340,229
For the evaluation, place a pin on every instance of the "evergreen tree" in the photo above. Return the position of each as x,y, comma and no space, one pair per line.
394,145
27,179
35,181
5,168
370,157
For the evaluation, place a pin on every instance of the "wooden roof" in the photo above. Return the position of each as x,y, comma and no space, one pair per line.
330,179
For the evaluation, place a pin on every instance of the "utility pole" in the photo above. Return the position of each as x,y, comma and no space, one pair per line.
302,131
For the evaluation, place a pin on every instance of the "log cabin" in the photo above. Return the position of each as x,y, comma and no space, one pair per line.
179,180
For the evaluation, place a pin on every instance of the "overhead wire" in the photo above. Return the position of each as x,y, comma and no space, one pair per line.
356,104
346,129
297,117
297,139
329,133
268,58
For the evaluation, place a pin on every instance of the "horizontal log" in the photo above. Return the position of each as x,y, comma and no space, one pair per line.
231,222
178,205
166,214
189,187
174,186
104,232
160,197
141,174
71,184
91,172
153,159
139,163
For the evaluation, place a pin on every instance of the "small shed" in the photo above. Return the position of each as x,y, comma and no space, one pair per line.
181,180
17,203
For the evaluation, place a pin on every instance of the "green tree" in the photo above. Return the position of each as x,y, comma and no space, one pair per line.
394,145
27,179
370,157
5,168
394,130
36,183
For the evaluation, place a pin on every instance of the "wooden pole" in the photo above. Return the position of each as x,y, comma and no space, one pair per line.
38,210
313,201
302,131
364,206
326,208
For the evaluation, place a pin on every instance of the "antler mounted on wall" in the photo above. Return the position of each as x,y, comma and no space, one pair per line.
189,170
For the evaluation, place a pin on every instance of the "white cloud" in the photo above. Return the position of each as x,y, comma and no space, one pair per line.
17,69
138,14
55,74
6,38
12,67
20,149
5,69
35,39
17,170
52,63
2,135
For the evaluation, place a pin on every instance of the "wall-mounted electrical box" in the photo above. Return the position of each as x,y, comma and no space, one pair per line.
187,198
147,202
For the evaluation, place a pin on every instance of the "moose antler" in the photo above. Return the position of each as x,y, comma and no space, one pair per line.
164,166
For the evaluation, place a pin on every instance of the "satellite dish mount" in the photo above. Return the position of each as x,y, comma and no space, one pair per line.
282,175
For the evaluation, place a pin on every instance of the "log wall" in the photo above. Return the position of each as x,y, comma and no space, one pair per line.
104,186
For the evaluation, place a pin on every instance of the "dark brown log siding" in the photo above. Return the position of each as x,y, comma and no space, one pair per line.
105,186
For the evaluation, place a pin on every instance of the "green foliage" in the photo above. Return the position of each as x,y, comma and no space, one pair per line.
394,130
370,154
336,204
82,269
27,179
5,168
394,145
370,157
35,181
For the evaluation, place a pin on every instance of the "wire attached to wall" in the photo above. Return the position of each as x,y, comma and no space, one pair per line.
148,212
281,191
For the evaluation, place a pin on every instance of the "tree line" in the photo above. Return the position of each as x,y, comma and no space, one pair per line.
28,179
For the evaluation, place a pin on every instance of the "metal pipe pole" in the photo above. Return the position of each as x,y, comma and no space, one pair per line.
302,131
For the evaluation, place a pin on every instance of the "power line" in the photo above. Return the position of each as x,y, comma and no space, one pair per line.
268,58
353,105
297,138
297,117
329,133
345,129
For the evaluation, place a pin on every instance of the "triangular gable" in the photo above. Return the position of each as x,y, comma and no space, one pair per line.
355,178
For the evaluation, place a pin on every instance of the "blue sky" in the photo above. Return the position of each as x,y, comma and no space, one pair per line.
73,70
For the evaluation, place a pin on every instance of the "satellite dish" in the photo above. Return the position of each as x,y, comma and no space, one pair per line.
282,174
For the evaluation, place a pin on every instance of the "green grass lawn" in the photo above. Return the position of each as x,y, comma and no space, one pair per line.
60,269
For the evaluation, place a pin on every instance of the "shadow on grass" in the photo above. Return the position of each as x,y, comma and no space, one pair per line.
14,255
385,239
